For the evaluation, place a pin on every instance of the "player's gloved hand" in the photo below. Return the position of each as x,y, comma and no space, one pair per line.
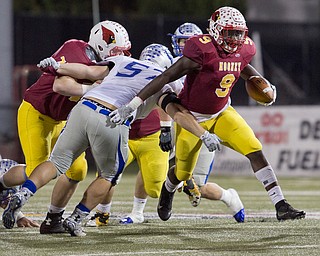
49,62
165,139
274,96
121,114
211,141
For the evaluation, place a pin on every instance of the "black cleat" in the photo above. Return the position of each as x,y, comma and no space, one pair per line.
165,203
52,224
286,212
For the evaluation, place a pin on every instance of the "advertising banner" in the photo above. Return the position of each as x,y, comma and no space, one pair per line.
290,136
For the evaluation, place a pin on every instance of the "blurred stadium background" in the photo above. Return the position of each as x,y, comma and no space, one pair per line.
287,34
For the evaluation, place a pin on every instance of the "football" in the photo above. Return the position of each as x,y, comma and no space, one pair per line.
259,89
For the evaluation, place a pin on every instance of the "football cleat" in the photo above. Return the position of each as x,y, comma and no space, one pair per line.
9,215
52,224
193,192
99,219
132,219
73,224
286,212
165,203
235,205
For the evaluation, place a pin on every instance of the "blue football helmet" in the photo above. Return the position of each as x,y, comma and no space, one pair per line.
184,31
157,54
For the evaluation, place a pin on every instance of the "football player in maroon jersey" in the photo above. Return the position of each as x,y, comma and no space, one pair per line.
198,186
213,63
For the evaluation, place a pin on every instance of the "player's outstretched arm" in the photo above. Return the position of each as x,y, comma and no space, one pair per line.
183,66
174,72
75,70
186,120
68,86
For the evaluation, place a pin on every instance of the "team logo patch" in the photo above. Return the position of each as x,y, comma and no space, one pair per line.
108,36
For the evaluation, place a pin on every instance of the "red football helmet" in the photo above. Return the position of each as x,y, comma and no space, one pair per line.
228,27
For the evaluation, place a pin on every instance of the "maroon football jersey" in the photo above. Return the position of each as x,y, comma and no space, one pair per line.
41,96
207,91
143,127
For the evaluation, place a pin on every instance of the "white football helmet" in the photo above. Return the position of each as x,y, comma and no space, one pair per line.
228,28
157,54
109,38
184,31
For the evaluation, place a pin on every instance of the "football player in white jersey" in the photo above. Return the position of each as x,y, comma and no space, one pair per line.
152,160
7,191
201,172
89,125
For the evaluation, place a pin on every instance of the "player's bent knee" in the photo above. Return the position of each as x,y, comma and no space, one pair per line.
76,175
183,175
154,191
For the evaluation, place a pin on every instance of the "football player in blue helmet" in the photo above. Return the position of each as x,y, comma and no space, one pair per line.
182,33
7,192
157,54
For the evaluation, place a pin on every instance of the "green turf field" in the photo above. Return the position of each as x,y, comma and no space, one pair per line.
205,230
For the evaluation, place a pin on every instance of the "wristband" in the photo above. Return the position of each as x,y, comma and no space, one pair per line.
20,215
165,123
135,103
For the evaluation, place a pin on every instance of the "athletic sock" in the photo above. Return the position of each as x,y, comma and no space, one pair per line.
170,186
55,209
225,197
104,208
28,184
138,205
267,176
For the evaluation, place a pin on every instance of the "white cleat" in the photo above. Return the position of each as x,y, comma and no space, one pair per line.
73,224
236,206
132,219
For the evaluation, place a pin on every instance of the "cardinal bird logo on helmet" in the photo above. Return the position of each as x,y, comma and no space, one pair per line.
108,36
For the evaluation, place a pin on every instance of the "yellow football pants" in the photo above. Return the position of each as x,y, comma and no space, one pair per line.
38,134
229,126
152,161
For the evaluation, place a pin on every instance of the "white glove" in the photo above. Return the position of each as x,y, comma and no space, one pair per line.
211,141
49,62
274,97
121,114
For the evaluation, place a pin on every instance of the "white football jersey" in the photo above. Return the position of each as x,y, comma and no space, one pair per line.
125,80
